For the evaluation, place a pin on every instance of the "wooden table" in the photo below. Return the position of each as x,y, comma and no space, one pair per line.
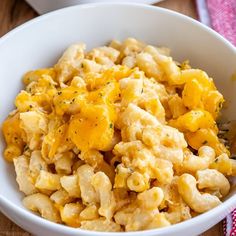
16,12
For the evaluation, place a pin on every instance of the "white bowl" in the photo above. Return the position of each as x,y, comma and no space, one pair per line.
44,6
40,42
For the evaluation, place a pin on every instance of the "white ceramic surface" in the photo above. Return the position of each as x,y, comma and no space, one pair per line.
40,42
43,6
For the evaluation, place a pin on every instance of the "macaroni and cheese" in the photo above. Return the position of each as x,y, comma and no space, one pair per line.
120,138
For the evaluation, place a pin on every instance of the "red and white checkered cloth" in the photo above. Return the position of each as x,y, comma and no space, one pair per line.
229,224
220,15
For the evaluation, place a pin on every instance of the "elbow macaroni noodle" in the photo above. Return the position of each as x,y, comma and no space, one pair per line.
120,138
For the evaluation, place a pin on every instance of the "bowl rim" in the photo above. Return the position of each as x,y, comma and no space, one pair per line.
38,220
118,4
